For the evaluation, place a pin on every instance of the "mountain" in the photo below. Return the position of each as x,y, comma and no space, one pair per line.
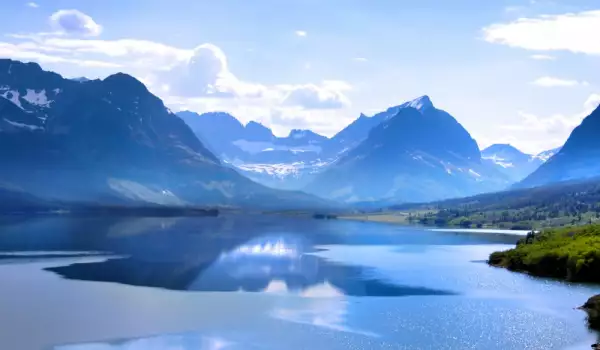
511,161
111,141
357,131
419,154
285,162
579,158
279,162
545,155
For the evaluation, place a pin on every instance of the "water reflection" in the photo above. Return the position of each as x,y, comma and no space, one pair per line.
175,341
251,267
285,283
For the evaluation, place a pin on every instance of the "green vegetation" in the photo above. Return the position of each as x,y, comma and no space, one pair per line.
571,253
557,205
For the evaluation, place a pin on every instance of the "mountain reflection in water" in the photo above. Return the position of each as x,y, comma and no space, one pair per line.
251,267
270,282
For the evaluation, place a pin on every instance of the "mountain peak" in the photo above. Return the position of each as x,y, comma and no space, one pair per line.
501,147
419,103
125,82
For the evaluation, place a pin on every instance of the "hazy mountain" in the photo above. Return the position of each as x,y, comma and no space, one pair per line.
279,162
545,155
511,161
421,153
579,158
108,141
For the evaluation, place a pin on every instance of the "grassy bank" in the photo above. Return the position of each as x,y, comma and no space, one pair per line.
570,253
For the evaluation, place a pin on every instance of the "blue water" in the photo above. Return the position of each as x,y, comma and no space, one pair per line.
267,282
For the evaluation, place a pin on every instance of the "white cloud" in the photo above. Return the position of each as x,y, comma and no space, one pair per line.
75,22
592,102
543,57
535,133
557,82
359,59
566,32
33,5
301,33
140,54
26,53
206,73
197,79
328,95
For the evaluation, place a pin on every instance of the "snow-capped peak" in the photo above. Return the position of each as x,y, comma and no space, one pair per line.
544,156
419,103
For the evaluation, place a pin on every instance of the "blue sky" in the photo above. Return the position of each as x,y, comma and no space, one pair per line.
523,72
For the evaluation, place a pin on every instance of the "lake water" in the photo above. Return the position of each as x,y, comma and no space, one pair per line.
252,282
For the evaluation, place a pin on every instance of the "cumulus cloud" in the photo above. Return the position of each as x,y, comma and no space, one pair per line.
543,57
557,82
33,5
328,95
197,79
301,33
360,59
75,22
206,73
566,32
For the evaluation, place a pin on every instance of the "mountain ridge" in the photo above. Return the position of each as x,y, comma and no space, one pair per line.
111,140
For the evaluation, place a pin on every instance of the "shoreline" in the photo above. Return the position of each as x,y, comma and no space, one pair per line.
402,220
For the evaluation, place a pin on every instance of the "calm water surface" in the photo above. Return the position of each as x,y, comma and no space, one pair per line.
251,282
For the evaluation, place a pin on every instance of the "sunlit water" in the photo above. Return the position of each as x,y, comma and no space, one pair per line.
245,282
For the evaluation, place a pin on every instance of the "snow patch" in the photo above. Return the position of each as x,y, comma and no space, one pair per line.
499,161
254,147
283,170
14,97
21,125
37,98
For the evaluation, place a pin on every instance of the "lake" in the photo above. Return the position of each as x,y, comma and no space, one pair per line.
268,282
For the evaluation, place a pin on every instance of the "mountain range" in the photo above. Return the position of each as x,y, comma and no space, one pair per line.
324,166
516,164
417,153
111,141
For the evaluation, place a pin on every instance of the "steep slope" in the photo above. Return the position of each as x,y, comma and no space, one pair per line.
420,154
511,161
579,158
108,141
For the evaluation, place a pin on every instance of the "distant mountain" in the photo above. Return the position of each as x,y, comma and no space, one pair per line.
512,162
284,162
81,79
279,162
111,141
357,131
421,153
544,156
579,158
